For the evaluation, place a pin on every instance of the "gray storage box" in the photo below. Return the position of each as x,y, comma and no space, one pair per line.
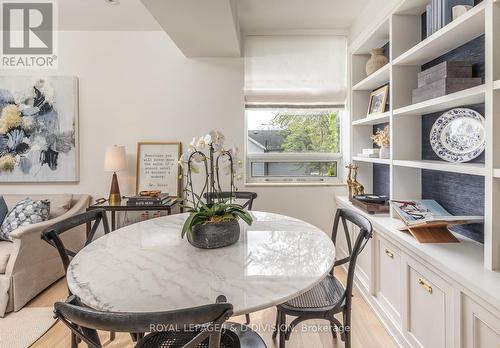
444,70
443,87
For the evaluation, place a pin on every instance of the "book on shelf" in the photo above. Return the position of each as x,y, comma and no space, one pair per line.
427,221
371,151
368,155
428,212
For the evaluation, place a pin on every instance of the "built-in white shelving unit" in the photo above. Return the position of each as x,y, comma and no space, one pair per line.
460,31
464,168
371,120
377,79
390,273
408,52
469,96
371,160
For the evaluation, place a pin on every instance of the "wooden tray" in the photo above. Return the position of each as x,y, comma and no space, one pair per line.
371,208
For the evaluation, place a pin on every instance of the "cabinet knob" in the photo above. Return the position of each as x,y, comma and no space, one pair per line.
389,253
425,285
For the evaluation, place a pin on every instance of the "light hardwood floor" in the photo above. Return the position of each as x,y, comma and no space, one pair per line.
367,331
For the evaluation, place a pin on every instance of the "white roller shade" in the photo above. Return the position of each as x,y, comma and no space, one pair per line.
295,69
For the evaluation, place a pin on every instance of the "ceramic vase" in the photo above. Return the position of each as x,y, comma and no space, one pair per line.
385,153
214,235
376,61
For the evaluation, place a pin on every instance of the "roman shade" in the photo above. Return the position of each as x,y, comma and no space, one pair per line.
295,70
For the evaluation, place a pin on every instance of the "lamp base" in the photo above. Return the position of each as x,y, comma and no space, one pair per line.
115,197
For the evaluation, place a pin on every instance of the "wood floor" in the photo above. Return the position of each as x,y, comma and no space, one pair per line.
367,331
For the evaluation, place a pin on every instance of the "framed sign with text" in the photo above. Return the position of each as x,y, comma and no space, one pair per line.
158,167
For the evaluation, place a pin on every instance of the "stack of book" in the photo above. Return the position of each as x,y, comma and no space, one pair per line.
439,13
370,153
139,200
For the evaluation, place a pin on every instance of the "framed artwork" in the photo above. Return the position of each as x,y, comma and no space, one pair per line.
378,101
39,129
158,167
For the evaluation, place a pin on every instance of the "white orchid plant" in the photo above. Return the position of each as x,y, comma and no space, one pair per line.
208,153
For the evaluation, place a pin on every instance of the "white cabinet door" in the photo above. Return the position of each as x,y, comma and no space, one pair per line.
389,279
429,311
364,262
480,327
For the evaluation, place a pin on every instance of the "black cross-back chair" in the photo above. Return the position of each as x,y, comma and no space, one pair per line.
248,196
329,297
52,234
187,328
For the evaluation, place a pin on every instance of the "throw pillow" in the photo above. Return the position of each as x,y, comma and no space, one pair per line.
24,213
3,209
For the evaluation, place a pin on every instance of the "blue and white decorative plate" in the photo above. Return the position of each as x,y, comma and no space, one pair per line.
458,135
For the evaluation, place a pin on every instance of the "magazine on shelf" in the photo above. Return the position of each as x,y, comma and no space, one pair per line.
428,212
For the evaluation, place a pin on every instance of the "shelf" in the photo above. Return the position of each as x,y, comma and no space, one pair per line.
460,31
377,38
464,168
371,120
377,79
469,96
371,160
496,84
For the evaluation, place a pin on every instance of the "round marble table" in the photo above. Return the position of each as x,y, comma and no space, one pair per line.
148,267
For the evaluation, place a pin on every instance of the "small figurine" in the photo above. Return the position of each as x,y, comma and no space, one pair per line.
355,188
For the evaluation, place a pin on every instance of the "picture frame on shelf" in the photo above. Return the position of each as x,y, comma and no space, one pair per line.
158,167
378,101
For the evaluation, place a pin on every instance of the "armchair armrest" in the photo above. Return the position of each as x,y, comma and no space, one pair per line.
27,239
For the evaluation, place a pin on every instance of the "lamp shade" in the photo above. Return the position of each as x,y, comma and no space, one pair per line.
115,159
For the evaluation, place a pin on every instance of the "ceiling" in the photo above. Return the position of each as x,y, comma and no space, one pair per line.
98,15
259,16
256,16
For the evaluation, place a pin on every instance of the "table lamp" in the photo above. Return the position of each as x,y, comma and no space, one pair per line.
114,161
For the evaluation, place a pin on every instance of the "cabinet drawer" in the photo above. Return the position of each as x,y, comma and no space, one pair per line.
429,301
389,279
480,327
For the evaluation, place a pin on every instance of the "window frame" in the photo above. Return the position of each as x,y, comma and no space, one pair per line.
293,156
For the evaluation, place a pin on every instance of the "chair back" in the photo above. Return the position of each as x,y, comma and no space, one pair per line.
52,234
248,196
365,233
84,321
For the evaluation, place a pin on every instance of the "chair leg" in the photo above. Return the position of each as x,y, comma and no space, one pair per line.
347,327
247,319
277,324
74,343
333,328
112,336
282,329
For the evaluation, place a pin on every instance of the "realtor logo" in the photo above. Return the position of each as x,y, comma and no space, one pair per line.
28,34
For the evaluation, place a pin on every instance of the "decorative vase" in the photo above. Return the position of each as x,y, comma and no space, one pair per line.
385,152
376,61
214,235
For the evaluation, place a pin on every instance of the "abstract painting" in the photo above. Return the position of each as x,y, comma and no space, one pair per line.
38,129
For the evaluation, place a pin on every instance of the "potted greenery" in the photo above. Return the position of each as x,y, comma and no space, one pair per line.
212,221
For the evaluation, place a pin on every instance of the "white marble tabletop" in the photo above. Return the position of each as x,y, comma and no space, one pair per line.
148,267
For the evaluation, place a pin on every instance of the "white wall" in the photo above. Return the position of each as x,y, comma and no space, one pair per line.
373,13
137,86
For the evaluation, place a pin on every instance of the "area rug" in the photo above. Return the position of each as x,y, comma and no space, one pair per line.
21,329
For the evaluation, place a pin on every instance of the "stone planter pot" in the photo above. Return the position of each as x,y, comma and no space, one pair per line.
385,153
212,236
376,61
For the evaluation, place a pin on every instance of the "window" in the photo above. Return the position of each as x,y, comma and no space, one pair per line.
293,145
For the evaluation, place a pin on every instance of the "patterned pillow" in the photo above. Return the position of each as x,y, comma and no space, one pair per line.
3,209
24,213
